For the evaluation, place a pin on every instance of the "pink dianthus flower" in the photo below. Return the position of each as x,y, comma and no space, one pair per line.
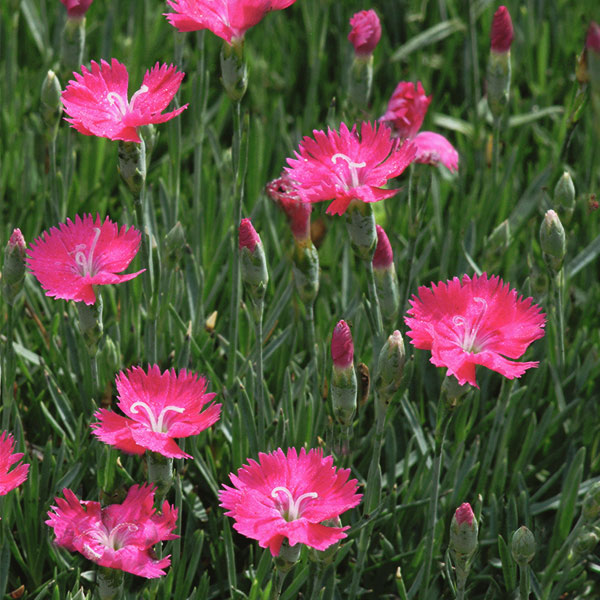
9,480
476,321
343,166
76,8
119,536
365,33
97,102
289,496
228,19
405,114
69,260
159,407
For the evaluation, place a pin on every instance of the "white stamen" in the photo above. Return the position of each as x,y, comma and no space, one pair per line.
141,91
352,166
156,426
121,103
293,505
468,340
86,262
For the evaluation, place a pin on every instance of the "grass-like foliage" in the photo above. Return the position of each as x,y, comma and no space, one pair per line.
519,444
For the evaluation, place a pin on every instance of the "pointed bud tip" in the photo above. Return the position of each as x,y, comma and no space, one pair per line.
248,237
502,33
342,347
383,257
464,514
16,241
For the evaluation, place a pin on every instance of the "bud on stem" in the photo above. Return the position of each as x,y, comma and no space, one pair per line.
234,72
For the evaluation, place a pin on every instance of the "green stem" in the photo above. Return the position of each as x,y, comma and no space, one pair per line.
237,218
559,281
374,299
523,581
55,201
363,546
313,349
110,583
260,390
8,370
495,155
433,503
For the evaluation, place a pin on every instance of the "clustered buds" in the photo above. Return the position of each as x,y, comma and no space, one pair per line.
553,240
498,73
343,381
255,276
364,36
386,281
13,271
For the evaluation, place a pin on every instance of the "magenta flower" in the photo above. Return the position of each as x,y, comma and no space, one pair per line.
289,496
342,346
345,166
405,114
119,536
9,480
97,103
501,34
159,407
70,260
228,19
365,33
76,8
476,321
283,191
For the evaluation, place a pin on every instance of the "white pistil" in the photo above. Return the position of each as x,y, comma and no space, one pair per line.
293,510
352,166
468,340
156,425
121,103
86,262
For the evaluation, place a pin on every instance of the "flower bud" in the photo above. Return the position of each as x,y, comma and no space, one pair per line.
591,504
502,33
344,387
498,73
386,281
76,8
306,270
406,109
463,534
365,33
234,72
553,240
587,540
564,196
522,545
174,244
392,359
360,223
255,276
13,271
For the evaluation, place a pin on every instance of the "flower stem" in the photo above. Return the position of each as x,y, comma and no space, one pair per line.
260,390
55,201
558,282
495,154
434,497
523,581
313,349
374,299
110,583
8,369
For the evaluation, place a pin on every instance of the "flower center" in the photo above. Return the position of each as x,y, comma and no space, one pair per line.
156,425
468,339
85,262
120,103
352,166
290,508
115,539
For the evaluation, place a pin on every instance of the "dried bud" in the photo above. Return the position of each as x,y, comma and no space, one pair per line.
283,191
392,359
253,265
523,546
365,33
502,33
13,271
463,534
234,72
553,240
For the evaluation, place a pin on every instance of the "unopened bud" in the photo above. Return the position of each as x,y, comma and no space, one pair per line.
463,534
110,355
522,546
392,359
253,267
453,391
564,197
13,271
553,240
76,8
360,223
386,281
590,510
498,72
502,32
234,72
587,540
344,386
51,105
174,244
365,33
